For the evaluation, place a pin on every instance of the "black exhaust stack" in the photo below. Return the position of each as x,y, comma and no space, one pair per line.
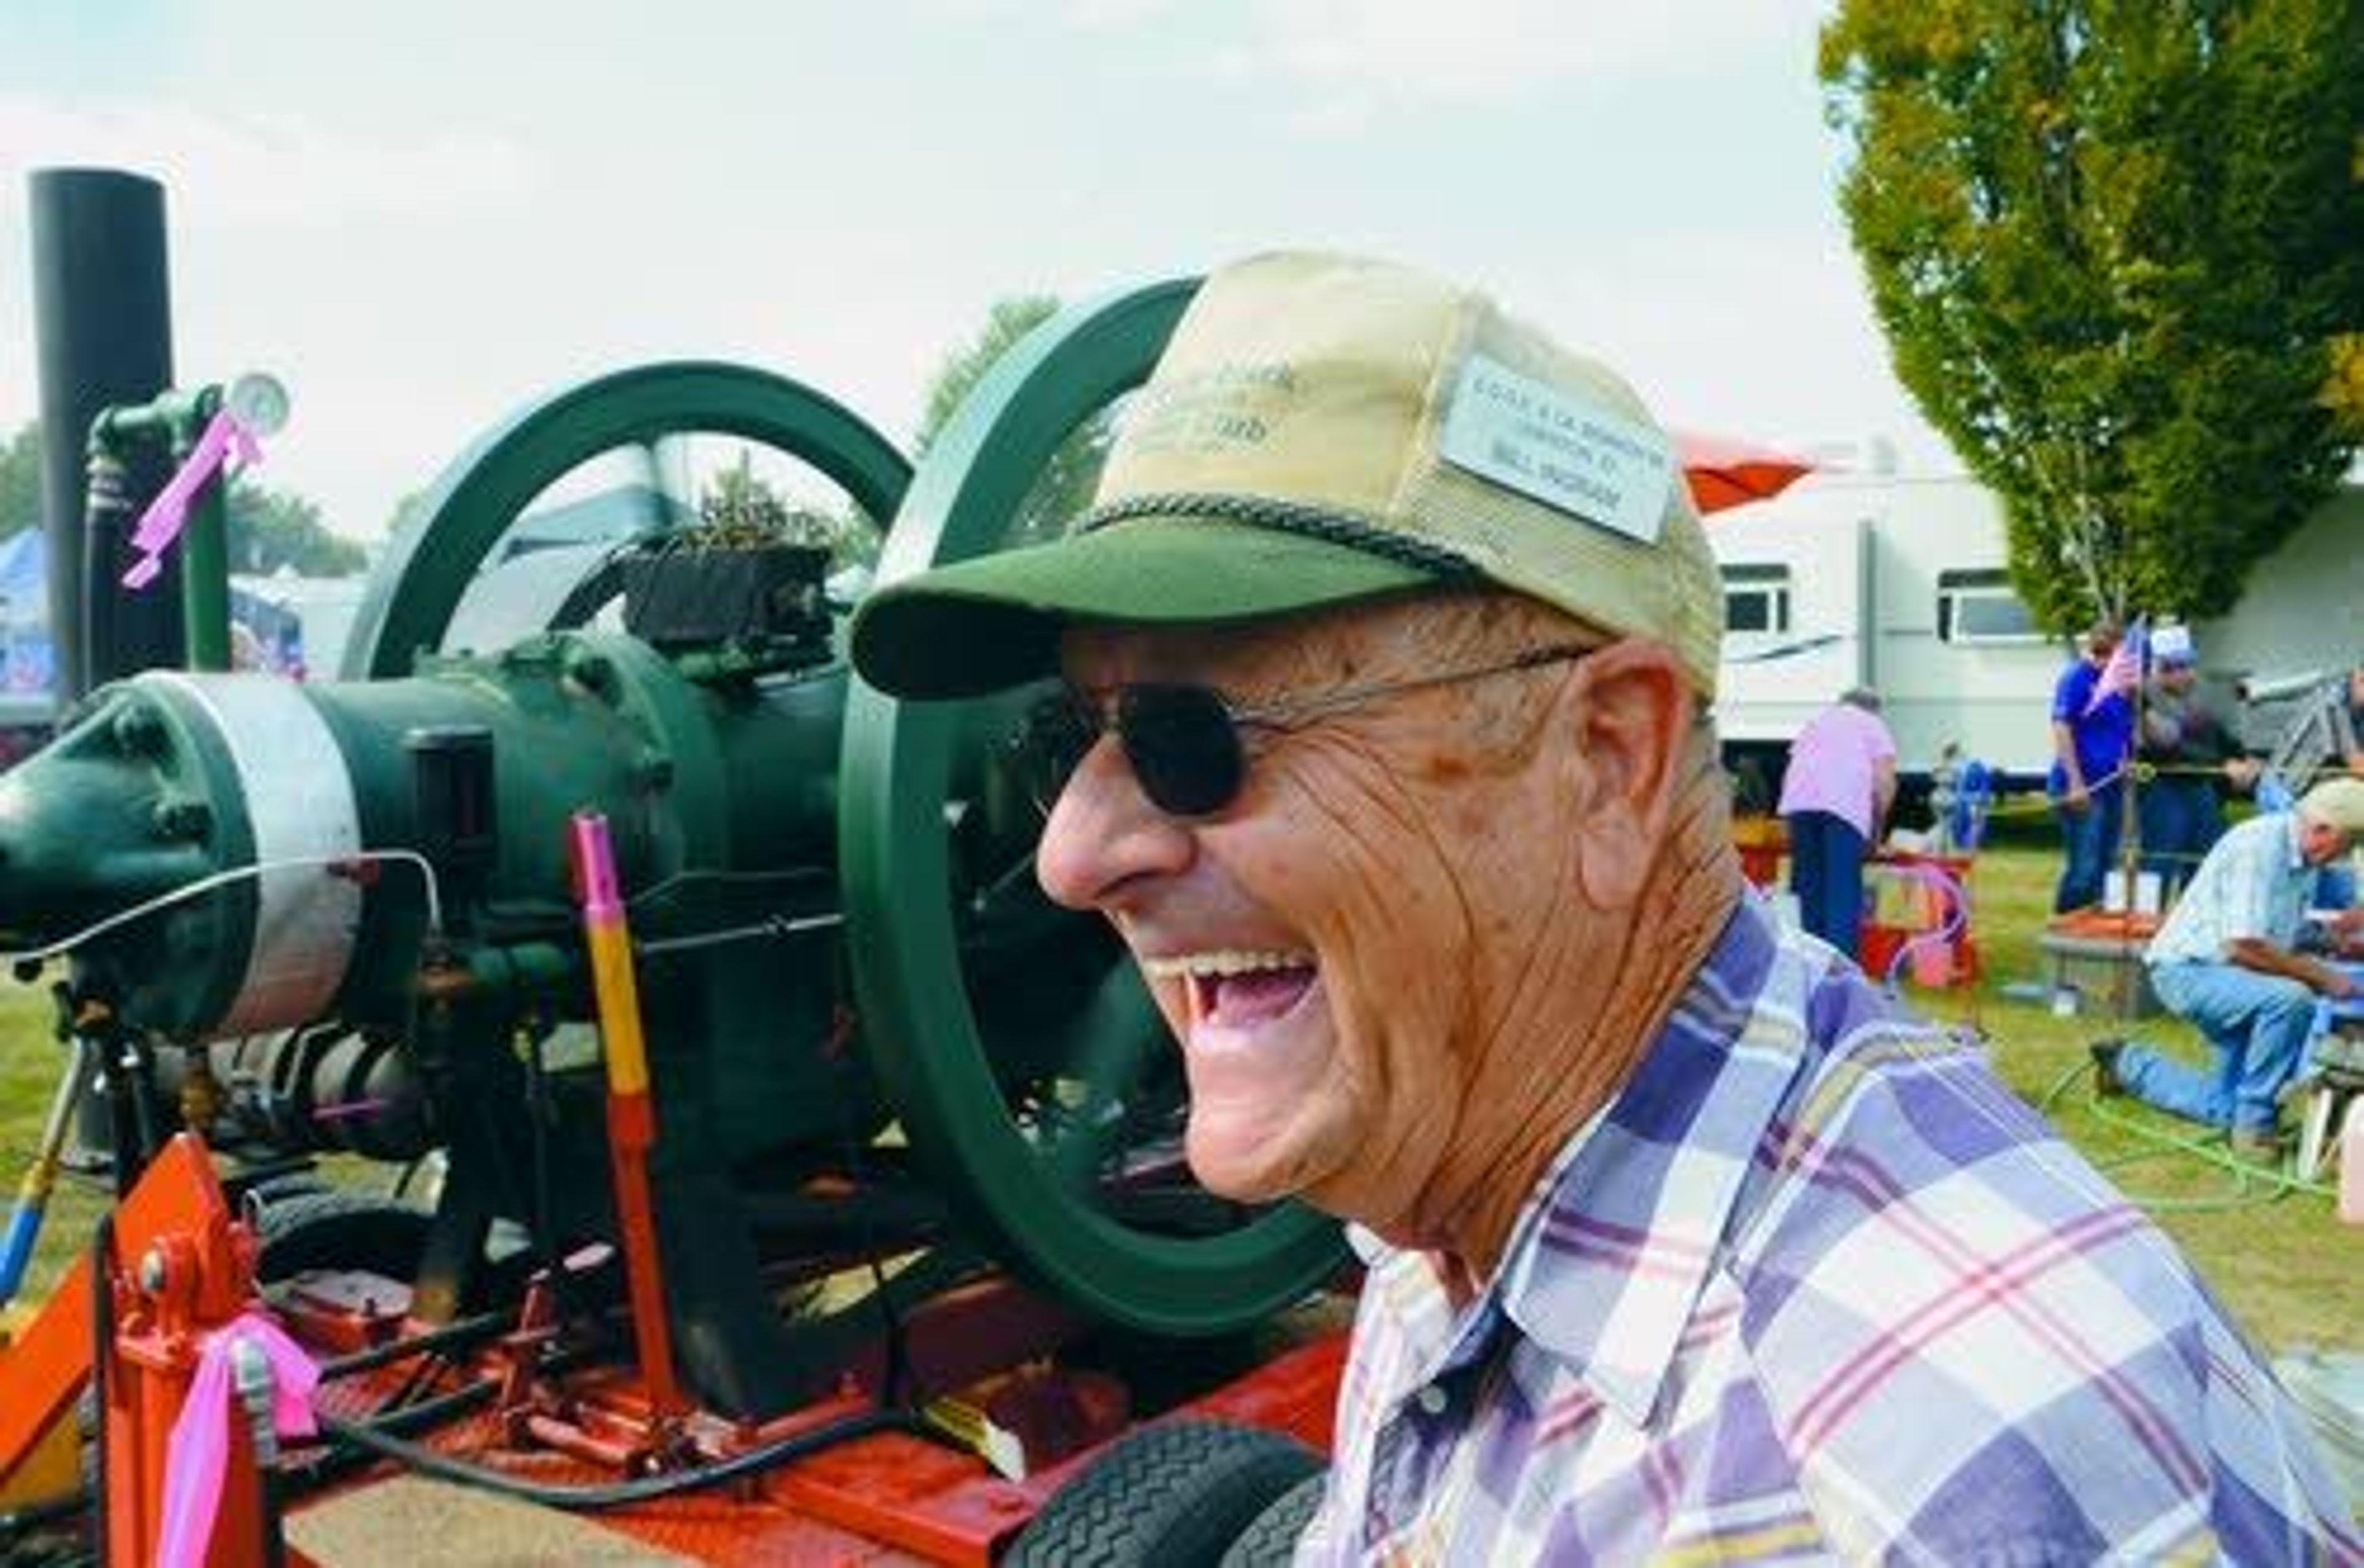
102,335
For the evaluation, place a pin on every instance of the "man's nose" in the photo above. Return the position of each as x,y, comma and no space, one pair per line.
1104,839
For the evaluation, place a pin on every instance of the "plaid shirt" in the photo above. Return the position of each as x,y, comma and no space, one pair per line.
1815,1287
2253,883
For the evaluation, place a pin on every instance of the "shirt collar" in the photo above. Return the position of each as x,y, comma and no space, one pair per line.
2294,853
1609,1254
1607,1263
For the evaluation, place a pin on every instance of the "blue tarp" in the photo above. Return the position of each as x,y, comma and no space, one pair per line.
29,658
25,576
27,661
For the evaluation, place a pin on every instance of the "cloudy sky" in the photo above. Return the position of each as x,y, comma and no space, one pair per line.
421,216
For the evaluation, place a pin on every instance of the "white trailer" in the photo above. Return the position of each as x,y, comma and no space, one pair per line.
1858,575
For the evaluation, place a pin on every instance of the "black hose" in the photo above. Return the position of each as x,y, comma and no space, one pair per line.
102,1350
621,1493
463,1331
423,1374
327,1464
270,1499
423,1414
32,1516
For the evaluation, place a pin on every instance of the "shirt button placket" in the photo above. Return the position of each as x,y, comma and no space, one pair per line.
1403,1460
1387,1480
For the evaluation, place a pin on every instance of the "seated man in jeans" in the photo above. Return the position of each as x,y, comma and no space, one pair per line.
2227,960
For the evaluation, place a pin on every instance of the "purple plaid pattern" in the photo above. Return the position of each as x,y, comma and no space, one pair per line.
1816,1288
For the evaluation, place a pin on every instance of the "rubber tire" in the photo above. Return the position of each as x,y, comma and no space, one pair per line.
1271,1540
340,1230
1172,1496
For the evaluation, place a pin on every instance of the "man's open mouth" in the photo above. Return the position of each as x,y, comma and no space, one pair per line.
1237,988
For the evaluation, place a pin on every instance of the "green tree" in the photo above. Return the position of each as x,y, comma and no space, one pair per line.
20,480
1064,489
271,529
407,511
2117,247
268,528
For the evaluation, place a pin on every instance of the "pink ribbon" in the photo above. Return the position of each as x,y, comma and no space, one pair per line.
168,514
198,1457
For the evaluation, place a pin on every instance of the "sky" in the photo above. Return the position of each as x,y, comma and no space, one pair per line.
422,217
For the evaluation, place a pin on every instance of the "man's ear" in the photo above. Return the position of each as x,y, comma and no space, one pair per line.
1629,708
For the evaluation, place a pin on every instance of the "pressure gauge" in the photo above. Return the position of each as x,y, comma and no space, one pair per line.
258,402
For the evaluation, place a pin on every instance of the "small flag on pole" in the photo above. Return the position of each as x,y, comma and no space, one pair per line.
2125,668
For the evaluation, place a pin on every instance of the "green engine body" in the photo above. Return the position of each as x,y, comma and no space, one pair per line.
339,914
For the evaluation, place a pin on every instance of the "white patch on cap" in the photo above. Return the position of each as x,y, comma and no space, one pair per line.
1562,449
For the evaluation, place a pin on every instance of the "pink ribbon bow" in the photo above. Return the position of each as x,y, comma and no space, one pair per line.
198,1457
168,514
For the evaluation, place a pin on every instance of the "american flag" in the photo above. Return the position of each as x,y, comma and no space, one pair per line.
2124,672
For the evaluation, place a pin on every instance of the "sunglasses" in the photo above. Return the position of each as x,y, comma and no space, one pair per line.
1185,743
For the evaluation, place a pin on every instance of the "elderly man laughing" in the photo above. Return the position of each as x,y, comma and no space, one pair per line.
1383,740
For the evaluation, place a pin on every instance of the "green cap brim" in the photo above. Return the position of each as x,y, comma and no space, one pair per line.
995,621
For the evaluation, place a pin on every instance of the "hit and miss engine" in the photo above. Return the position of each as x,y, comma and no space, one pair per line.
339,916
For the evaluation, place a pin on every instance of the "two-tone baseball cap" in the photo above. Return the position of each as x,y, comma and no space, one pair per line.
1322,431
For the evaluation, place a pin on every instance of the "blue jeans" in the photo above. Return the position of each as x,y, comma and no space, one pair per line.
2258,1026
2090,838
2181,823
1826,873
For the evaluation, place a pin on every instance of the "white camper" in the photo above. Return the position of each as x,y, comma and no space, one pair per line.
1860,575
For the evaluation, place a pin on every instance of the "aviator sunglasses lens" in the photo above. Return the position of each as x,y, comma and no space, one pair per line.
1180,742
1050,743
1183,741
1183,747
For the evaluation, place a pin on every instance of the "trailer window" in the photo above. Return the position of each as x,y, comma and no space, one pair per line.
1978,606
1757,599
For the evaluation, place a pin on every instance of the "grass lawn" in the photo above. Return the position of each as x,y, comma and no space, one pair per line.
2292,1272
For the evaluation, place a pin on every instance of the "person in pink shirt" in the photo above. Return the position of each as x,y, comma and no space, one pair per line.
1840,783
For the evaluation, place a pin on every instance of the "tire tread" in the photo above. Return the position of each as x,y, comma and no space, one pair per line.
1174,1494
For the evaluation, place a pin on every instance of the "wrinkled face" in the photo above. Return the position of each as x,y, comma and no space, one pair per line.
1335,951
2320,843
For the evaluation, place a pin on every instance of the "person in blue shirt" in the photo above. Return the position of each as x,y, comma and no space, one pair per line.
2090,743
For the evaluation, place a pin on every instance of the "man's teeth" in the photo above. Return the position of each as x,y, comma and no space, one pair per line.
1214,965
